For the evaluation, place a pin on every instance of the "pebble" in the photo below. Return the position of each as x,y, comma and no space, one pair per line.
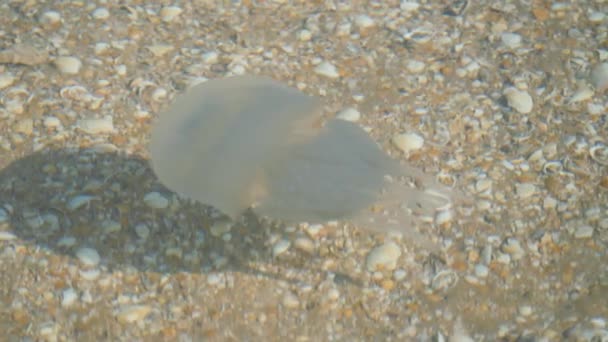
583,232
6,80
280,247
88,256
525,190
25,126
50,18
511,40
304,244
399,274
513,247
51,122
132,313
408,142
101,13
415,66
327,69
68,65
519,100
599,76
169,13
110,226
220,228
96,126
213,279
7,236
66,242
210,57
159,50
90,275
481,271
409,6
23,54
383,257
291,301
583,93
525,310
142,231
79,201
349,114
156,200
364,21
68,297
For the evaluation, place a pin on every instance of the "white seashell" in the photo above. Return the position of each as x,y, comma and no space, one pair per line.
444,218
599,153
383,257
444,280
132,313
552,167
79,201
583,93
159,94
169,13
519,100
75,92
327,69
88,256
68,65
599,77
156,200
349,114
96,126
408,142
101,13
6,80
280,247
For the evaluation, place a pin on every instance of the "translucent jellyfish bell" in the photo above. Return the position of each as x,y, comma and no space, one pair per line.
251,142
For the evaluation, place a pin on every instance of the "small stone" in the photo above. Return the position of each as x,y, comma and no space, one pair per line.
596,17
364,21
6,80
408,142
156,200
90,274
291,301
511,40
51,122
50,18
599,77
88,256
304,244
101,13
79,201
210,57
519,100
280,247
68,65
142,231
66,242
525,190
349,114
169,13
96,126
525,310
327,69
68,297
383,257
481,271
23,54
7,236
304,35
399,275
314,230
583,93
213,279
110,226
513,247
583,232
159,50
132,313
25,126
415,67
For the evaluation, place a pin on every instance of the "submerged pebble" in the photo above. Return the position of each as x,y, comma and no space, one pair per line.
327,69
68,64
408,142
383,257
519,100
88,256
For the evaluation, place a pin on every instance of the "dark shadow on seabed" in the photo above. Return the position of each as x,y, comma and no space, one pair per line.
38,189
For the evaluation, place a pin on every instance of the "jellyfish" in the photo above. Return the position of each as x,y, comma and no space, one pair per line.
250,142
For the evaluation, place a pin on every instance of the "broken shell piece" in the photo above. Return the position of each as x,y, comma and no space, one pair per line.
599,153
251,142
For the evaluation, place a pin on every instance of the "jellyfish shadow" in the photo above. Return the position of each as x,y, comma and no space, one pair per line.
63,200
